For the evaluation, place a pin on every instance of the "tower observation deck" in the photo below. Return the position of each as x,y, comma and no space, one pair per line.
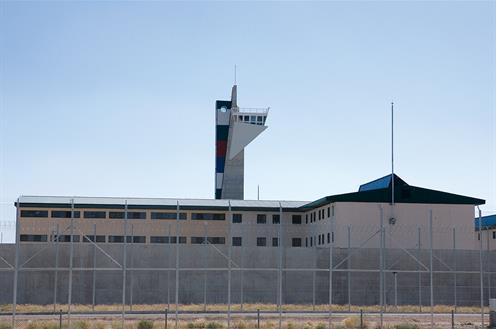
235,128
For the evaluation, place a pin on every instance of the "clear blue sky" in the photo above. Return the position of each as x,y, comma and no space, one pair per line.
117,98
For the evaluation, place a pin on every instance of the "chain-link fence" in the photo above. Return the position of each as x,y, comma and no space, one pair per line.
247,271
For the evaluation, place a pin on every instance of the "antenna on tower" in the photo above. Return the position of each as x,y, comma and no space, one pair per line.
234,73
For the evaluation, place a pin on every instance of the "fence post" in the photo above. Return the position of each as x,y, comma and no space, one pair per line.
56,270
431,237
169,243
124,268
258,318
131,279
492,313
93,295
229,241
348,263
177,267
455,297
331,256
419,269
16,266
205,264
381,268
241,296
452,319
314,249
60,319
71,256
481,270
165,318
280,242
361,319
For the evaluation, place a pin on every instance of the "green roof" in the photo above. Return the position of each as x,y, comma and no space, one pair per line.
379,190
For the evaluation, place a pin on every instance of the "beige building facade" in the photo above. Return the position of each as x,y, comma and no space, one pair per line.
346,220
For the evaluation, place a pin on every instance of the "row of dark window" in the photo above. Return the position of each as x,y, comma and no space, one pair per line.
479,236
319,214
236,218
237,241
319,239
119,215
276,219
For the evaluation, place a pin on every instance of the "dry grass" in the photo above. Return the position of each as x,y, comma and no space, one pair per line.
236,307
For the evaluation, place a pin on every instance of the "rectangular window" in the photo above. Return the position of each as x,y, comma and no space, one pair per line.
115,239
296,219
136,239
64,238
276,219
311,241
328,211
237,218
328,237
494,234
93,238
320,214
130,215
159,239
34,213
197,240
210,239
306,219
261,219
275,242
216,240
296,242
116,214
182,240
208,216
168,215
332,236
478,236
64,214
237,241
261,242
306,242
136,215
319,239
33,238
95,214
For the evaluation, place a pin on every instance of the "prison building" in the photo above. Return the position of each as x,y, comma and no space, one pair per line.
258,223
485,227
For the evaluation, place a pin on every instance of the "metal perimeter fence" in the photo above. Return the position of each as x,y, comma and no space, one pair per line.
381,267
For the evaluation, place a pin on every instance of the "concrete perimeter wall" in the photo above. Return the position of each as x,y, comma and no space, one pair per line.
153,280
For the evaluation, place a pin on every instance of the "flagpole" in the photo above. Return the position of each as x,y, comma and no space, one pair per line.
392,153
